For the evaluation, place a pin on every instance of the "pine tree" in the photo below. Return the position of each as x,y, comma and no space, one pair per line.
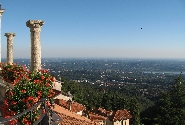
164,110
177,94
171,106
135,111
106,102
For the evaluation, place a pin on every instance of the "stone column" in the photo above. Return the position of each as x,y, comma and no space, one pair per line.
9,56
35,28
1,13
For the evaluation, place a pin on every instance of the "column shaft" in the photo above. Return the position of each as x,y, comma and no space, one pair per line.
9,56
35,51
1,13
35,28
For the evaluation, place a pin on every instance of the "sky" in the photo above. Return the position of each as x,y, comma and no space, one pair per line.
97,28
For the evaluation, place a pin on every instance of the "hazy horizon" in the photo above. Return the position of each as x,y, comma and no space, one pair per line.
98,29
95,58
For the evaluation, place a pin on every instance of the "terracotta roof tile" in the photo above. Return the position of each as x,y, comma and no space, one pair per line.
61,102
75,107
71,118
102,110
122,115
96,117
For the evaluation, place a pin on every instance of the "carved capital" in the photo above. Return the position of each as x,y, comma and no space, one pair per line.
35,25
1,12
10,36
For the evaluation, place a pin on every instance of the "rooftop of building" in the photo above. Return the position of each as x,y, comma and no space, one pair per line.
71,118
75,107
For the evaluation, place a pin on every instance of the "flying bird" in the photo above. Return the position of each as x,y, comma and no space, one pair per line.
141,28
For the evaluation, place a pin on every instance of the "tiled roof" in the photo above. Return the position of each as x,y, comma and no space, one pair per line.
71,118
96,117
75,107
103,111
113,115
122,115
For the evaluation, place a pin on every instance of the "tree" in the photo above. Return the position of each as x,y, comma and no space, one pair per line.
171,106
164,108
135,111
106,102
177,94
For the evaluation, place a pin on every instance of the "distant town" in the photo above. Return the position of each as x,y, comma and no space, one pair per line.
144,77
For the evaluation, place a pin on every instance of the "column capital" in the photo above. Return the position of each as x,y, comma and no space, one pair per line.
9,34
34,25
1,12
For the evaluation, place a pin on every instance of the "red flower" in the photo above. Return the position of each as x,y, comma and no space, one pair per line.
24,100
47,85
24,91
53,79
7,116
13,122
42,77
13,103
36,100
48,103
39,93
9,93
37,81
41,80
43,111
26,122
12,113
28,105
5,102
30,98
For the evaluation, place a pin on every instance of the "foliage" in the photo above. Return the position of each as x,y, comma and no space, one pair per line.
135,110
110,98
29,88
13,73
170,108
95,96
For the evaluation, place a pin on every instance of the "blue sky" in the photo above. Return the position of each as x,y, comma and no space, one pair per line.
98,28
